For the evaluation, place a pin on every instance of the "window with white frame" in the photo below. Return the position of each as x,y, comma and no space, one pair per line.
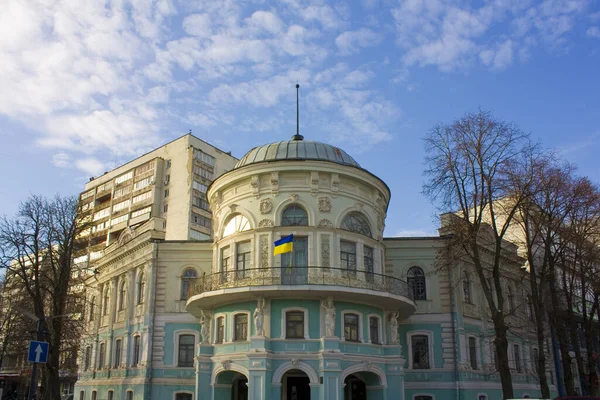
368,261
243,253
118,220
121,206
142,197
517,358
348,255
101,355
374,330
419,348
416,281
122,295
294,324
141,287
145,210
185,350
472,342
220,330
187,278
225,262
237,223
466,286
351,327
118,353
124,177
356,222
240,325
101,214
137,347
143,183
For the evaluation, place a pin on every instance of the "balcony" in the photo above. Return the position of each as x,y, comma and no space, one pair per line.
300,282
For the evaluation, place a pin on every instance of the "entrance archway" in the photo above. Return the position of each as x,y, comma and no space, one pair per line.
231,385
296,385
354,388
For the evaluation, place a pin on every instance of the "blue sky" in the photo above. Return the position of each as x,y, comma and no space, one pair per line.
87,85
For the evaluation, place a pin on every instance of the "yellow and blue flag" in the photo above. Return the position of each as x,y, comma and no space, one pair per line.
284,245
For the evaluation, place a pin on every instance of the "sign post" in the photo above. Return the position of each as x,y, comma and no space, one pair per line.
38,353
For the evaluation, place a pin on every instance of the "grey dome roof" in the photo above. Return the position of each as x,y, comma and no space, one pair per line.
297,150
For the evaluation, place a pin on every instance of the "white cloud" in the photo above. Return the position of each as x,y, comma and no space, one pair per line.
352,42
61,160
499,57
414,233
199,25
593,32
90,166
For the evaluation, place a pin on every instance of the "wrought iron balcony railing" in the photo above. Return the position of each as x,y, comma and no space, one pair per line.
297,276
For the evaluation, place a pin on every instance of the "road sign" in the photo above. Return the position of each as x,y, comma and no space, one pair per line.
38,352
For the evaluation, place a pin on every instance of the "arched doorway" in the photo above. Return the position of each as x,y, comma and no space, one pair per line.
296,385
354,388
231,385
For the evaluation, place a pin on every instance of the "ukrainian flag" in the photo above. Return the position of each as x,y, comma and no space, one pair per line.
284,245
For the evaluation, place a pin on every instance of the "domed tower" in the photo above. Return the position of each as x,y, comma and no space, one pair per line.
319,322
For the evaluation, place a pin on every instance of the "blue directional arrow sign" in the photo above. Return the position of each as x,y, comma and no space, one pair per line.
38,352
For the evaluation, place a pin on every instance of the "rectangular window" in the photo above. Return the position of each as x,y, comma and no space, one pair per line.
225,263
122,191
200,203
101,355
200,220
473,352
142,197
88,358
118,351
136,351
166,193
186,351
243,259
374,329
124,177
143,183
536,359
203,157
168,164
241,327
368,259
420,351
199,187
104,187
351,327
144,168
118,220
143,211
121,206
294,325
220,330
101,214
348,255
87,195
517,356
165,207
204,172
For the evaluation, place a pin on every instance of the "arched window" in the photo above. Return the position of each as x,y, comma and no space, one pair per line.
356,222
466,286
122,295
92,307
416,281
141,288
188,277
106,301
294,215
237,223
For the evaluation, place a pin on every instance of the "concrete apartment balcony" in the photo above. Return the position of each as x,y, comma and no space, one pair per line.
223,288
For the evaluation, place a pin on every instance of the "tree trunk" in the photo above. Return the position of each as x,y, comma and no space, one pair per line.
501,343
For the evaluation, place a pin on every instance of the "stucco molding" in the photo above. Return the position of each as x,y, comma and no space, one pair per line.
363,367
302,366
231,366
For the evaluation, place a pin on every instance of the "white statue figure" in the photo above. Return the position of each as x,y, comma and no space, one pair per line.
329,316
394,327
259,317
205,322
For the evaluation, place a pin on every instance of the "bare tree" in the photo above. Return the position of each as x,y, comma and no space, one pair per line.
37,249
471,164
